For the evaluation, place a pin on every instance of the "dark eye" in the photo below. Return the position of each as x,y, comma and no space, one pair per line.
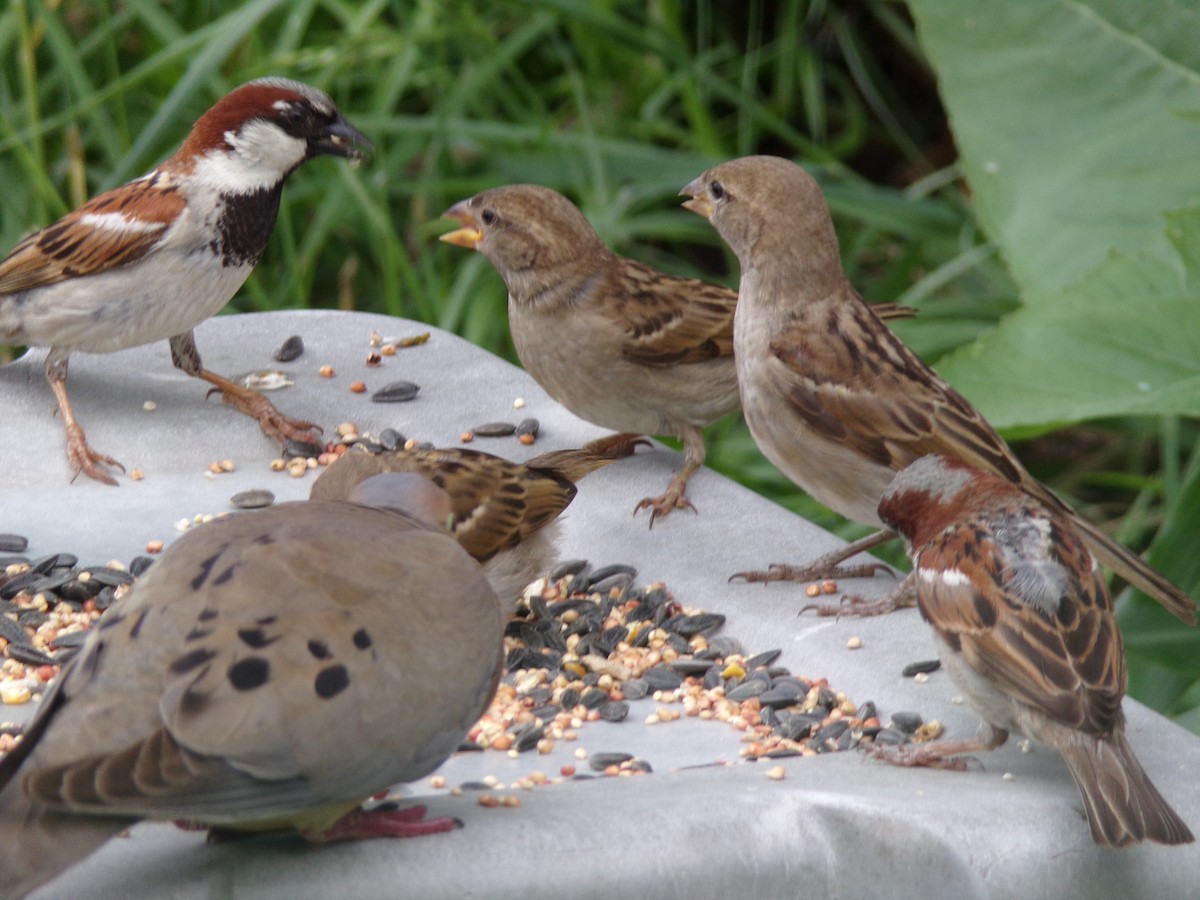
716,190
488,217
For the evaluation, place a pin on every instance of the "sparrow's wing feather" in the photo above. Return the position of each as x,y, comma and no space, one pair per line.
111,230
1039,634
886,405
496,503
670,320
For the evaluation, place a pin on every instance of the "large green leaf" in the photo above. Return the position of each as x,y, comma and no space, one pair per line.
1078,124
1123,340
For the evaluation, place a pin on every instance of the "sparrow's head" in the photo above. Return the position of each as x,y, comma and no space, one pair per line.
521,228
257,134
932,493
764,206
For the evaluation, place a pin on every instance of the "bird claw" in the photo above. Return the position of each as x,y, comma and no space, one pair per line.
273,423
931,756
359,824
86,460
662,506
859,607
818,571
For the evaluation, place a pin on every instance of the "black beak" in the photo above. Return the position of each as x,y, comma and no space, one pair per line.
341,139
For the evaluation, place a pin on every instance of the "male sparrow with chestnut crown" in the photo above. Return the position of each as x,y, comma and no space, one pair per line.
154,258
614,341
1026,629
831,395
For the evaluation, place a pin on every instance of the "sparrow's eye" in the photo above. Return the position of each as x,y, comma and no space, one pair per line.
716,190
488,217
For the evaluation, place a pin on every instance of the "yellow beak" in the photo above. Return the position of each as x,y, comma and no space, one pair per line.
468,236
699,203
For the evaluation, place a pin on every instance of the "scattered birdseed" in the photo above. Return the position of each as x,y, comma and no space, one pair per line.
358,387
154,546
326,371
252,499
813,590
374,359
776,773
375,339
388,350
136,474
922,667
920,678
519,403
854,643
396,392
829,587
467,436
1008,776
290,349
1025,745
149,406
494,429
265,380
415,341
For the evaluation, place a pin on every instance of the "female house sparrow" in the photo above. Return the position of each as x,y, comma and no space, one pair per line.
614,341
831,395
155,257
272,670
503,513
1026,629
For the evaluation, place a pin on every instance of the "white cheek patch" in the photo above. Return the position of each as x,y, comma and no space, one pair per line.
119,222
260,155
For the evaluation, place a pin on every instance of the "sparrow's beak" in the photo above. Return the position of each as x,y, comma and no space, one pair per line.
343,139
699,203
468,236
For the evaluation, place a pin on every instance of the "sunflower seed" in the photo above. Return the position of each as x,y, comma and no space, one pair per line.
256,498
614,711
908,722
660,678
396,392
13,543
391,439
922,667
528,426
290,349
293,448
494,429
601,761
139,564
762,659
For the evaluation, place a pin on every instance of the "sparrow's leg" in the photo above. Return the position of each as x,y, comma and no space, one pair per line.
83,458
944,754
273,423
676,494
360,824
827,566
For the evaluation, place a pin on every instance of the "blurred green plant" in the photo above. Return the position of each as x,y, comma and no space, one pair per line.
618,103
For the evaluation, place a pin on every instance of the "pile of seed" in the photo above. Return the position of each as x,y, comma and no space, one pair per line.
47,606
585,644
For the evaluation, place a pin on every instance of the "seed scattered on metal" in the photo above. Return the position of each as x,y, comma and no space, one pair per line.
265,380
13,543
326,371
519,403
528,427
415,341
922,667
290,349
149,406
598,762
396,392
358,387
854,643
905,721
252,499
139,564
374,359
494,429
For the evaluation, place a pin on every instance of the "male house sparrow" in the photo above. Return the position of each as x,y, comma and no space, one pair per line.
1026,629
831,395
155,257
614,341
505,514
272,670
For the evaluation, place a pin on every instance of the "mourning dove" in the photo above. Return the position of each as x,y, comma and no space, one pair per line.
271,670
832,396
504,513
613,340
1027,631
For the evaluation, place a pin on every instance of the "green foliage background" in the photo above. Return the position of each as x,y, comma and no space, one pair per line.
1024,173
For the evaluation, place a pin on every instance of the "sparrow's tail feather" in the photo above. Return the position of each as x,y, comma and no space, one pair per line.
1123,807
574,464
1137,572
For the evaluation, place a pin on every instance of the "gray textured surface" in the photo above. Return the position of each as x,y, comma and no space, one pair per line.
837,826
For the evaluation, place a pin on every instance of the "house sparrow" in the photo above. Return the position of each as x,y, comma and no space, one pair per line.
831,395
503,513
271,670
1026,629
154,258
614,341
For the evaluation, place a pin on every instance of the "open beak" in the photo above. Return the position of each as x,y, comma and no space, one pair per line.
699,203
343,139
467,236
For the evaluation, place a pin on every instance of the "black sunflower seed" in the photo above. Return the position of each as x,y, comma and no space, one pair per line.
13,543
922,667
396,392
494,429
290,349
601,761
